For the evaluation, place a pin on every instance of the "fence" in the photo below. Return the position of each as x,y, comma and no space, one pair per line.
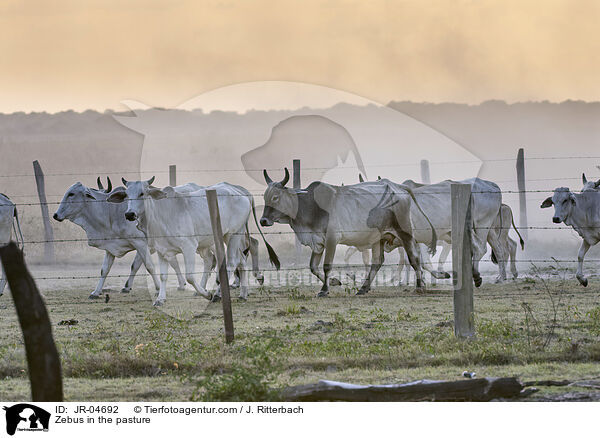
462,306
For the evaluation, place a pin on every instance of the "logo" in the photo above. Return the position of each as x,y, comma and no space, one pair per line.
26,417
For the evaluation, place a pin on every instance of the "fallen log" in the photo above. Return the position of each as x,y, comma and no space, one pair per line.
484,389
42,356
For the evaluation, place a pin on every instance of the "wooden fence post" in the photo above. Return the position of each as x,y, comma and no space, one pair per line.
42,357
425,178
522,194
462,260
297,184
48,233
215,220
172,175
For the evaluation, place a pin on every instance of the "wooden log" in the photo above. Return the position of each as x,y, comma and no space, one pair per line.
42,357
215,220
425,177
522,193
485,389
48,232
172,175
462,260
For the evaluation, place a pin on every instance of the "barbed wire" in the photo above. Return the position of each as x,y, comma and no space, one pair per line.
380,165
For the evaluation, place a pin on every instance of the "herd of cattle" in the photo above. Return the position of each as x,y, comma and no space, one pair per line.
372,217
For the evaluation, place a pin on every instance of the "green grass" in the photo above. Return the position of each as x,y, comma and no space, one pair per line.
127,350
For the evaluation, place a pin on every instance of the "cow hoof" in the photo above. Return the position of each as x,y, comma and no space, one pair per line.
322,294
260,280
420,290
583,281
242,299
125,290
477,281
180,288
215,299
94,297
158,303
334,282
515,275
362,291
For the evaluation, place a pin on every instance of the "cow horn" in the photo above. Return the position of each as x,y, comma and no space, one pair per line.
360,178
109,188
150,181
286,178
584,178
100,186
267,178
124,180
597,183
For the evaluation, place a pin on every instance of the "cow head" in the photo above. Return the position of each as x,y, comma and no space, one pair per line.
281,203
136,192
75,199
563,201
589,185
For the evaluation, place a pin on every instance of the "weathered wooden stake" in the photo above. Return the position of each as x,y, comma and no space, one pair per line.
215,220
172,175
425,178
48,233
462,260
297,184
522,194
42,357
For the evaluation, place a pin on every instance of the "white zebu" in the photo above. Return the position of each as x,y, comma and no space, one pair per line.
8,219
106,229
180,223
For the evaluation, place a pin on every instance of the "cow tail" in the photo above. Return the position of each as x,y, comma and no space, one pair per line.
432,245
519,234
20,234
272,255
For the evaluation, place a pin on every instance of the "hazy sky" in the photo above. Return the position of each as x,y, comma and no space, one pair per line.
63,54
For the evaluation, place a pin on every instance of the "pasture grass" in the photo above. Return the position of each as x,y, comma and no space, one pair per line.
127,350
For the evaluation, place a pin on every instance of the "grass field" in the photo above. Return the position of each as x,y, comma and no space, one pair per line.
127,350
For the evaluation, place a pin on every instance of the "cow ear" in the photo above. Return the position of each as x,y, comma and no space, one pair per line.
572,198
156,193
597,183
117,197
89,194
547,203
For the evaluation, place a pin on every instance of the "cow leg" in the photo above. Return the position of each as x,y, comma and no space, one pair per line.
499,250
189,258
446,247
135,267
236,261
2,281
412,252
315,260
366,259
402,265
479,249
376,262
512,253
175,265
210,261
143,252
583,249
260,278
106,265
163,267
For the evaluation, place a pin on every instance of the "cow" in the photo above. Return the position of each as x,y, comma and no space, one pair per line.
180,223
363,215
589,185
106,229
581,211
9,223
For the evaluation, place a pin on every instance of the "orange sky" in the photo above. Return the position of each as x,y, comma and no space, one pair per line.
62,54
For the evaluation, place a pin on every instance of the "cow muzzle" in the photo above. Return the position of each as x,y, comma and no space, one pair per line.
130,216
56,218
556,220
265,222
